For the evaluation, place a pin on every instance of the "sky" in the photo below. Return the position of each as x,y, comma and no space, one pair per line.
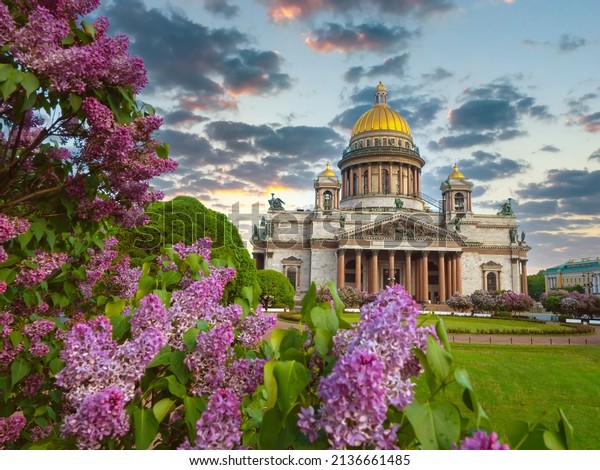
258,95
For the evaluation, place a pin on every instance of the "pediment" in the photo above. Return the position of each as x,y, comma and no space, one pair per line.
402,226
291,260
491,265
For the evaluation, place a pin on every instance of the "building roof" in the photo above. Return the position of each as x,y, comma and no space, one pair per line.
573,266
381,117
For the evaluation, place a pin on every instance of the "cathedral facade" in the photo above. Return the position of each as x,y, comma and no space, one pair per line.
372,226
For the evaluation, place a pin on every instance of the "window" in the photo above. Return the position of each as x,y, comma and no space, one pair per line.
492,285
292,275
377,142
368,142
392,142
327,200
366,182
459,202
385,182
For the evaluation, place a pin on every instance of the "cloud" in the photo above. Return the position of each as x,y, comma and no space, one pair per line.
568,43
221,7
366,36
391,66
288,10
565,43
183,117
438,74
590,122
569,187
203,67
486,166
550,148
595,155
489,113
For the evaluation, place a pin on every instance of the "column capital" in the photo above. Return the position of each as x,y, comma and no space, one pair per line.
341,251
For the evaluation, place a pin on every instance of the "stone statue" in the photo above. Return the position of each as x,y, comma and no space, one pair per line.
457,223
523,237
254,232
513,235
398,203
506,208
342,221
275,204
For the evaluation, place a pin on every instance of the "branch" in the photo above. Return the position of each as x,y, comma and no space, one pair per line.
33,195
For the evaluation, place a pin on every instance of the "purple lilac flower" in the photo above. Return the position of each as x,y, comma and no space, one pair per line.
354,400
10,227
254,327
10,429
100,415
481,440
38,328
150,313
208,360
46,262
8,352
307,423
126,278
201,247
219,426
3,255
5,320
245,375
38,433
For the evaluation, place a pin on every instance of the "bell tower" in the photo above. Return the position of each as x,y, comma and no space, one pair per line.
327,191
456,196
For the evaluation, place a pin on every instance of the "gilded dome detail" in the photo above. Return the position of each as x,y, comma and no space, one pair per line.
328,171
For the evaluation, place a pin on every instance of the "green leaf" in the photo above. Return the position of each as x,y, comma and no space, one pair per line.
75,101
162,150
194,261
162,409
18,370
308,303
146,427
325,318
114,308
169,278
442,335
5,386
189,338
270,384
566,430
178,367
162,358
436,425
147,283
337,302
194,406
175,387
120,325
553,440
30,83
462,377
50,238
89,28
439,359
292,378
323,341
277,431
525,436
5,71
56,365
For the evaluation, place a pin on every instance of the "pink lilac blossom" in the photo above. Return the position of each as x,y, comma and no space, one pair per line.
481,440
219,426
10,429
253,328
8,353
6,319
99,263
208,360
3,255
7,24
31,384
100,415
46,263
202,247
10,227
38,433
126,278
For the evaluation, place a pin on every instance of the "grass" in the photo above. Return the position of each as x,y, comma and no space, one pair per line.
478,325
525,382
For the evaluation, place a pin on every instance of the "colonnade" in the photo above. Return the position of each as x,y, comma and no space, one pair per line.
381,178
427,275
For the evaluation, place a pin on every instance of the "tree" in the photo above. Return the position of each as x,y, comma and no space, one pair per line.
536,285
276,289
459,303
184,219
483,301
510,301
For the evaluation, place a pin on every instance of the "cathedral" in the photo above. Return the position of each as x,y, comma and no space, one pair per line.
371,225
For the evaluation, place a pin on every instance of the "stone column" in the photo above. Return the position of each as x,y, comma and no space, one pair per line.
524,289
442,276
408,272
375,274
341,268
453,284
391,262
458,273
358,278
425,276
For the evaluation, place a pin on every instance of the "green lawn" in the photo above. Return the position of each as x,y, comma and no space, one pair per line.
524,382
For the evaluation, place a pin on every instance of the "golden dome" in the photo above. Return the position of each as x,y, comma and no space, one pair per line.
328,171
456,173
381,117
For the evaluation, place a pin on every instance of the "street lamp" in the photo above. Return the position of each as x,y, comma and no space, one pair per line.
590,284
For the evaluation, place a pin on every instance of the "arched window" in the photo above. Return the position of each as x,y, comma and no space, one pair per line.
366,182
407,144
355,185
459,202
392,142
492,284
377,141
368,142
385,181
360,144
327,200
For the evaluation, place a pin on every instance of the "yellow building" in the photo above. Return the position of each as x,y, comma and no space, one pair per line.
584,272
